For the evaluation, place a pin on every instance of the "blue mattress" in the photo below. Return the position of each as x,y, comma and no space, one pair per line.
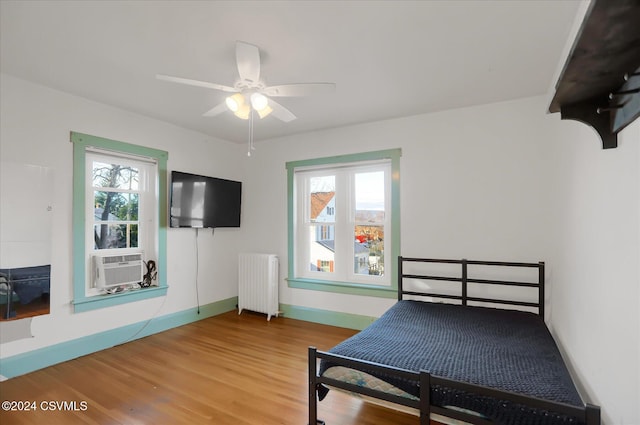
507,350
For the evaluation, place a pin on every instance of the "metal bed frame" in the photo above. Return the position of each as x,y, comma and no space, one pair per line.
588,415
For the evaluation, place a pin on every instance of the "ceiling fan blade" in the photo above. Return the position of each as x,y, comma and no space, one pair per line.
281,112
248,61
196,83
216,110
303,89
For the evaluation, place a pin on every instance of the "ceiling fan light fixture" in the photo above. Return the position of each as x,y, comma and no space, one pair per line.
265,111
259,101
235,102
243,111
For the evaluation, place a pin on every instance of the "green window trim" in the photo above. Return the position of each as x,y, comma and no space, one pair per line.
382,291
80,144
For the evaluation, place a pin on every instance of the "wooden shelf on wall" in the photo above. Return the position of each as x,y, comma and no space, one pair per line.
600,82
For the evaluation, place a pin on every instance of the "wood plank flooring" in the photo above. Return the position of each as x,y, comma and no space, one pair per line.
229,369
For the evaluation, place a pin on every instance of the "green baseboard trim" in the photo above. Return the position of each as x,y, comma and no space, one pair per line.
43,357
327,317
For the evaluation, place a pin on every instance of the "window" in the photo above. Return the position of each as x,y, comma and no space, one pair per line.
344,223
119,209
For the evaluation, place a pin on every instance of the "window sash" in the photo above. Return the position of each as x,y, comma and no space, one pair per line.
146,203
343,265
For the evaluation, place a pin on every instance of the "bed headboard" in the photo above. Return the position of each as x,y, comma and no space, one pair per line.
464,279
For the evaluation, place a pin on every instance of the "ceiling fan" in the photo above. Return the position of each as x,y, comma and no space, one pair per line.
250,93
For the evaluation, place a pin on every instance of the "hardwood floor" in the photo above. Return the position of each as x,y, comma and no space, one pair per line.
227,369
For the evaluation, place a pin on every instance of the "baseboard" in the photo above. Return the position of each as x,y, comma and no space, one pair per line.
327,317
43,357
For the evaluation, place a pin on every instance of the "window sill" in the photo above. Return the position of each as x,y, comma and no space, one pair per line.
101,301
343,287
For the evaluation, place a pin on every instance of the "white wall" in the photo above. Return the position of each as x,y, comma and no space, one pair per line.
36,122
473,185
595,288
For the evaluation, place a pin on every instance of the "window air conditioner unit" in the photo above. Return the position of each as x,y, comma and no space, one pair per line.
114,270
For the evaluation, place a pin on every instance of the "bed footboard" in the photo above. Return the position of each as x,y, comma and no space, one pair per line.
316,381
588,415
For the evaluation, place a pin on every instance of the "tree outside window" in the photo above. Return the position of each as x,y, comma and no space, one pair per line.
116,201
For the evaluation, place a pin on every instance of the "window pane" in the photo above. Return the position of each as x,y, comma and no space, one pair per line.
322,234
115,206
370,197
322,199
115,175
322,248
369,250
369,217
109,236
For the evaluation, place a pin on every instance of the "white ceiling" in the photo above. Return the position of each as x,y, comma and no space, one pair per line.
387,58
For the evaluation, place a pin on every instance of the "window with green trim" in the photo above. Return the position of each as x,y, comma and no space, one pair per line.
344,223
119,215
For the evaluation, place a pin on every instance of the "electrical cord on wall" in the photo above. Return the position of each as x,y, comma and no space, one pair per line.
132,337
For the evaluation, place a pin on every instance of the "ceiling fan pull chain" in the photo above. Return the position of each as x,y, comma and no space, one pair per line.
250,145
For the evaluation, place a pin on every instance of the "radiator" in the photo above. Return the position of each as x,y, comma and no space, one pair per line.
258,283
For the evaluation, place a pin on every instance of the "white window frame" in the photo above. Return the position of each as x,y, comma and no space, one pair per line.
147,208
344,222
346,281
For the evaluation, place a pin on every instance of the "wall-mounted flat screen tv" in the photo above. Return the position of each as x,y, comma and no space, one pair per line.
201,201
